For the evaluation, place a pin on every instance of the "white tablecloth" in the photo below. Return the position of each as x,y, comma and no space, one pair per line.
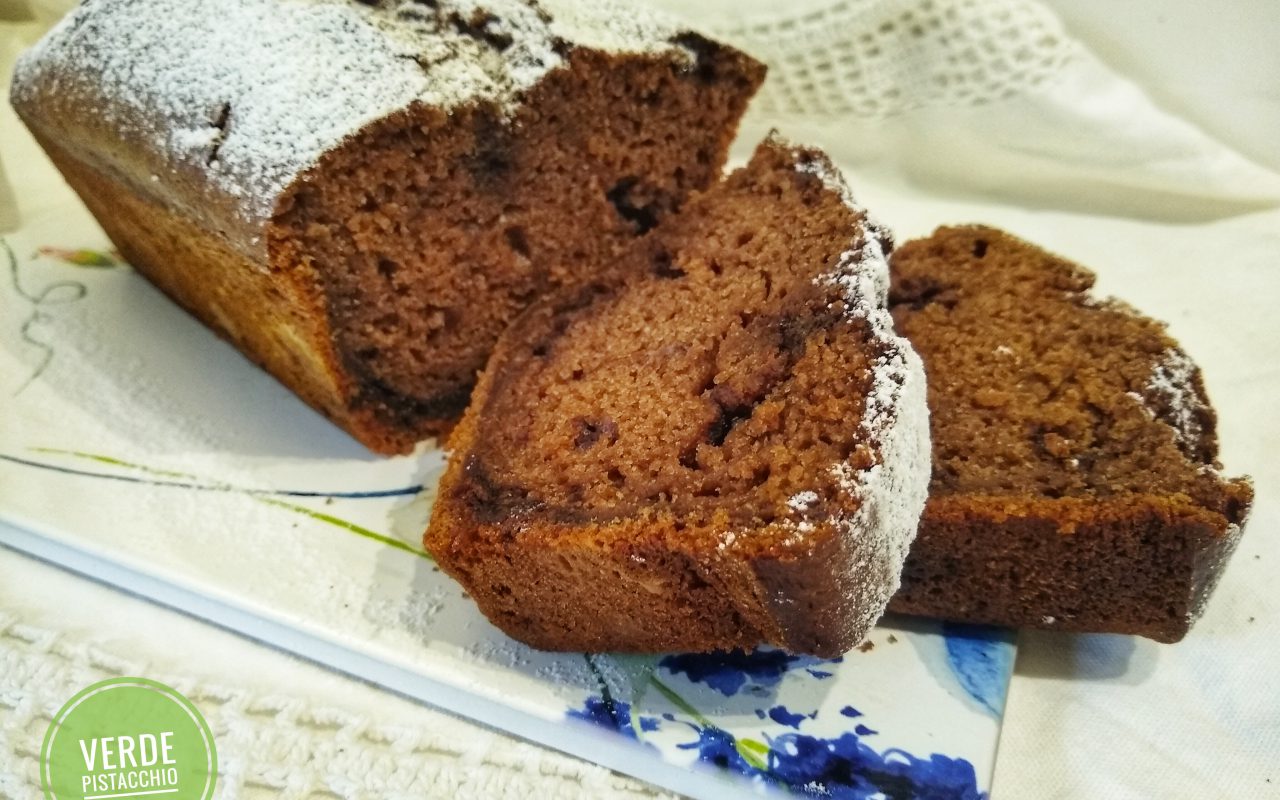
1165,183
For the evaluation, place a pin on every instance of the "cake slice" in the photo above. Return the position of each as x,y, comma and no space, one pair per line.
1075,482
727,449
362,195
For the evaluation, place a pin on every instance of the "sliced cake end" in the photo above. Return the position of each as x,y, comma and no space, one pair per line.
727,449
1075,482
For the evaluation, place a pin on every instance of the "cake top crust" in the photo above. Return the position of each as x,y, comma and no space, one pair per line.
251,93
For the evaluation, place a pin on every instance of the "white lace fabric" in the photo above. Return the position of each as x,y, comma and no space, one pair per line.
281,745
878,58
979,96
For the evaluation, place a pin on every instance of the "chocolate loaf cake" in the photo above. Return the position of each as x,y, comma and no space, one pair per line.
725,449
1075,482
362,195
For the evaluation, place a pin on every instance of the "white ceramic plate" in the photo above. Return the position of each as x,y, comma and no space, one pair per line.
138,448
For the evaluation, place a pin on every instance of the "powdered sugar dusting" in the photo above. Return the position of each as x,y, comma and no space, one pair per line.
890,495
802,500
862,269
1173,382
613,25
1170,396
250,93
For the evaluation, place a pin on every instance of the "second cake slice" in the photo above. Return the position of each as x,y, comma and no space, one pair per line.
678,461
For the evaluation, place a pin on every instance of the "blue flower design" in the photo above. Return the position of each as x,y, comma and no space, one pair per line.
728,671
718,747
614,715
981,660
844,768
782,716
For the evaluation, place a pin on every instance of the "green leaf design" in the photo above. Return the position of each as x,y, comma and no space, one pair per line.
320,516
680,703
637,669
753,752
345,525
115,462
80,258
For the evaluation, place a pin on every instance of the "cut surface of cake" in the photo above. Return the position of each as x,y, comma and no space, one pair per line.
1075,482
362,195
726,449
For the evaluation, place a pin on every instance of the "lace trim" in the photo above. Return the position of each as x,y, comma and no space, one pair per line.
283,746
877,58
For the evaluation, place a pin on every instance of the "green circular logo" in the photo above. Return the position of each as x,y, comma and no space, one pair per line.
128,737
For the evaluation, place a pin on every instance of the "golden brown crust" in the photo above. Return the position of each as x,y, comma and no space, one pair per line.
268,314
648,584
